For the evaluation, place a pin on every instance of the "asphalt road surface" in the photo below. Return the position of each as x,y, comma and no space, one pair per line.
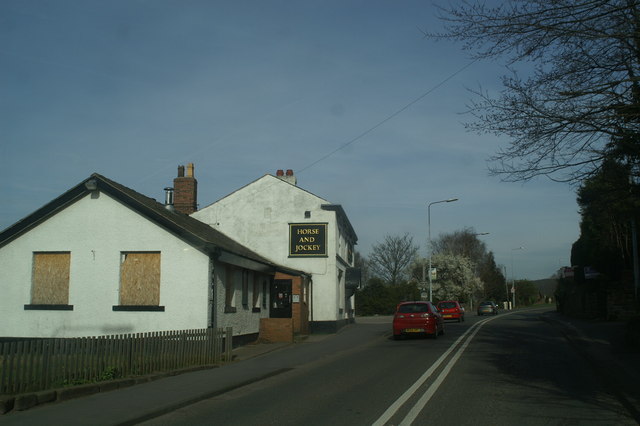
509,369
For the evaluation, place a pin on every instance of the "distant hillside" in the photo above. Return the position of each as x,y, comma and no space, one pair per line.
547,286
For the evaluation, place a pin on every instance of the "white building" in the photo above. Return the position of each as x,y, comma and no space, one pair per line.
103,259
297,229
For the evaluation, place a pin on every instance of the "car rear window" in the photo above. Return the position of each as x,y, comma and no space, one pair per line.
447,305
415,307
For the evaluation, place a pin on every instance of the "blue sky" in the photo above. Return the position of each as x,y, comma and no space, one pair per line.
132,89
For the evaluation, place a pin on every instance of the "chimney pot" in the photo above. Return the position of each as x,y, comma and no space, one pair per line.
180,171
168,198
289,177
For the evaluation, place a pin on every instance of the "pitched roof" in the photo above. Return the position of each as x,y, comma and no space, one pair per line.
343,220
274,181
196,233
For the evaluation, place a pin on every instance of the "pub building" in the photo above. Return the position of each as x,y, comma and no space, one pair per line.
292,227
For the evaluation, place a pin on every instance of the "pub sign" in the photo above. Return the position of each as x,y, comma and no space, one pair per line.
307,240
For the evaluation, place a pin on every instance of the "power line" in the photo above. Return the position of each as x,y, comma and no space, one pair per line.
388,118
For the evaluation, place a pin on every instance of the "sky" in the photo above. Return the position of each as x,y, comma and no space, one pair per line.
349,94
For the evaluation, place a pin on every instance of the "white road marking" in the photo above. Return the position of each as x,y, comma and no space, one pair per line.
413,413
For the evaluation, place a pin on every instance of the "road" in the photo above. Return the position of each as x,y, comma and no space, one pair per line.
509,369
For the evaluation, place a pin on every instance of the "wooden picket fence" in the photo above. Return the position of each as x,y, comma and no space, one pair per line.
40,364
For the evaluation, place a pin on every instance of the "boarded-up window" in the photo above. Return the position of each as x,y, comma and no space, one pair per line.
50,278
140,279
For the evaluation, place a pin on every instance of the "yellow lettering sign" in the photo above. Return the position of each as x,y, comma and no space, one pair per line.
304,231
307,247
308,240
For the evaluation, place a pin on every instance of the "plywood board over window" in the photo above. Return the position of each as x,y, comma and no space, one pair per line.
140,279
50,284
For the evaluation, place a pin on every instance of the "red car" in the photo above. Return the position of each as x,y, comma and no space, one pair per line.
451,309
417,318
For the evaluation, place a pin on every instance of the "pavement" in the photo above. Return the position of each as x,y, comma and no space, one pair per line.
604,345
132,402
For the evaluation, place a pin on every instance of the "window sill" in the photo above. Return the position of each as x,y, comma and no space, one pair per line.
138,308
256,310
40,307
230,310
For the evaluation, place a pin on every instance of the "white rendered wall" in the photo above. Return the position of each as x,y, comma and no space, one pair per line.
258,216
96,231
243,320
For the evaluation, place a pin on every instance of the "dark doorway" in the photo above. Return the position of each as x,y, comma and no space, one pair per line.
280,299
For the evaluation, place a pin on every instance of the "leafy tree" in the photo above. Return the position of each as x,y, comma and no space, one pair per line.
465,243
526,293
404,292
373,298
390,259
455,278
492,278
580,101
376,298
608,205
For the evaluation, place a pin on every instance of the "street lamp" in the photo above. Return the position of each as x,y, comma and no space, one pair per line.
448,200
513,279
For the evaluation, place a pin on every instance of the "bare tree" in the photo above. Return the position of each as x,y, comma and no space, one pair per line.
578,104
463,243
391,258
362,263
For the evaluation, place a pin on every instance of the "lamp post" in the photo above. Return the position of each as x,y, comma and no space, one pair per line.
448,200
513,279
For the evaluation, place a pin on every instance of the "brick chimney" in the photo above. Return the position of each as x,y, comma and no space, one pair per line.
287,177
185,198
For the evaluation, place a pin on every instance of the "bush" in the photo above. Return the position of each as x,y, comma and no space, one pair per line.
376,298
